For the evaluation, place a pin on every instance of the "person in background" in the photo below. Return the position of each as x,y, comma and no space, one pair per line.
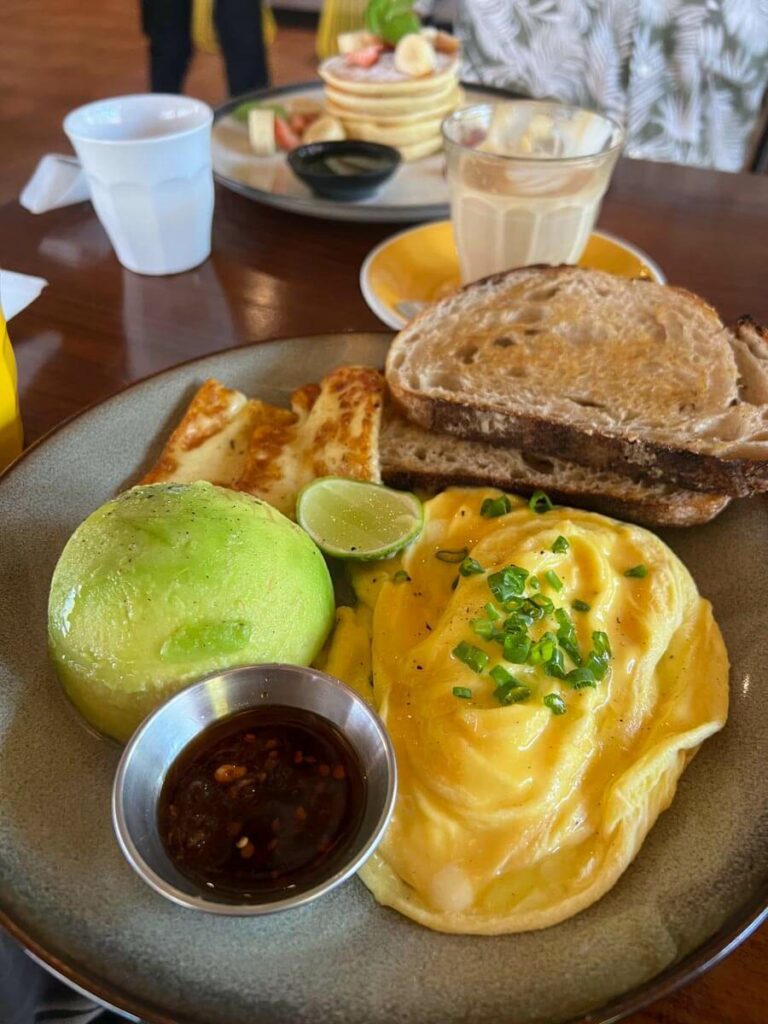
239,27
686,78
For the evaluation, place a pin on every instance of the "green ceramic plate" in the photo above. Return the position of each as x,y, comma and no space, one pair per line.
699,884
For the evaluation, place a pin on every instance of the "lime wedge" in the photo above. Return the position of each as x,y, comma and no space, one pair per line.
355,519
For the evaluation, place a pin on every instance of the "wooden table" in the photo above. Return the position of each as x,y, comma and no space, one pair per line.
98,327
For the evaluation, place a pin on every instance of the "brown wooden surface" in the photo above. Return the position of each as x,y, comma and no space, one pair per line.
98,327
57,54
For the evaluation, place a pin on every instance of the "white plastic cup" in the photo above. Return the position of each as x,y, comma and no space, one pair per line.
147,159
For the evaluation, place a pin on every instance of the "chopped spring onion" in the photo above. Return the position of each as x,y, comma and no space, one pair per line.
493,507
511,693
492,612
472,656
542,601
535,607
600,655
597,665
401,576
520,619
533,583
560,546
543,650
564,621
502,677
580,606
553,579
540,502
555,703
556,665
454,557
462,691
508,582
578,678
637,571
470,567
484,628
601,643
566,635
517,647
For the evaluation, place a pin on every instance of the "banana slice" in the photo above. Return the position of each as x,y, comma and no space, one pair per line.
261,130
324,129
415,56
348,42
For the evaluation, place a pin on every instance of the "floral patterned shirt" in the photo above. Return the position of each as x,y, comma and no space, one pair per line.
687,78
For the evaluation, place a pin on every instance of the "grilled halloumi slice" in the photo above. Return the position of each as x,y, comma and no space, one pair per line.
336,433
211,441
231,440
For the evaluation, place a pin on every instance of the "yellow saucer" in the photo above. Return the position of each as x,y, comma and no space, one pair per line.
420,265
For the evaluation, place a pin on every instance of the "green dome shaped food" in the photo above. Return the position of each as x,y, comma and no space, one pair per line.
169,582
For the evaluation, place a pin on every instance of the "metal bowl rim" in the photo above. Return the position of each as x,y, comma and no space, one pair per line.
160,885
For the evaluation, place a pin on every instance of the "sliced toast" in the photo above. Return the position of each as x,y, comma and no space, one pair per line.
622,375
417,459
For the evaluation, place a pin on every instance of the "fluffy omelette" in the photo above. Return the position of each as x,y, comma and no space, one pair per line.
512,813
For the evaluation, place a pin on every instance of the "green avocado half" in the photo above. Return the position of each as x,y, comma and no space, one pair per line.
170,582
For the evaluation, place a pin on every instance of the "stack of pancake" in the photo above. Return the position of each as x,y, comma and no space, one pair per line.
381,104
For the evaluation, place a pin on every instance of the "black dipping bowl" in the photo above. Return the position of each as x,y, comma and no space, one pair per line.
344,170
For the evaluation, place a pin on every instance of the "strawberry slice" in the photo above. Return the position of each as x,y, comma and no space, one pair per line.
284,137
365,57
298,124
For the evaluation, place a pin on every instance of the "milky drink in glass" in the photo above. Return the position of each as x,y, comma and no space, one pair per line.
526,181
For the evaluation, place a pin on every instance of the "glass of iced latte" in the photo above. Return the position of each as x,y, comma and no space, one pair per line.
526,179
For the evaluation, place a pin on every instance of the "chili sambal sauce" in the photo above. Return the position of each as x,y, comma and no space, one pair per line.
261,802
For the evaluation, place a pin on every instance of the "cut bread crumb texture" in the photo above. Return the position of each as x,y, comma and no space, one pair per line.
620,374
415,458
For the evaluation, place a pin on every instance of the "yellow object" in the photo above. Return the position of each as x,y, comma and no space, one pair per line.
10,420
204,30
421,265
510,817
336,18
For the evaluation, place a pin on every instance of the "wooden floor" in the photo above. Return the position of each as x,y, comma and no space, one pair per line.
57,54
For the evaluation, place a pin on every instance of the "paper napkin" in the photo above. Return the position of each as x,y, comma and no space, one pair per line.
58,181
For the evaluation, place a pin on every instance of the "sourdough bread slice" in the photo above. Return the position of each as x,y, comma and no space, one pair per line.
620,374
415,458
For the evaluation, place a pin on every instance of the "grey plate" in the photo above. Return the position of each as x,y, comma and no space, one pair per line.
417,191
699,884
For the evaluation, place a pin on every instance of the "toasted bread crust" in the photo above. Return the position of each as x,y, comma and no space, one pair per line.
412,457
651,513
619,448
634,456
